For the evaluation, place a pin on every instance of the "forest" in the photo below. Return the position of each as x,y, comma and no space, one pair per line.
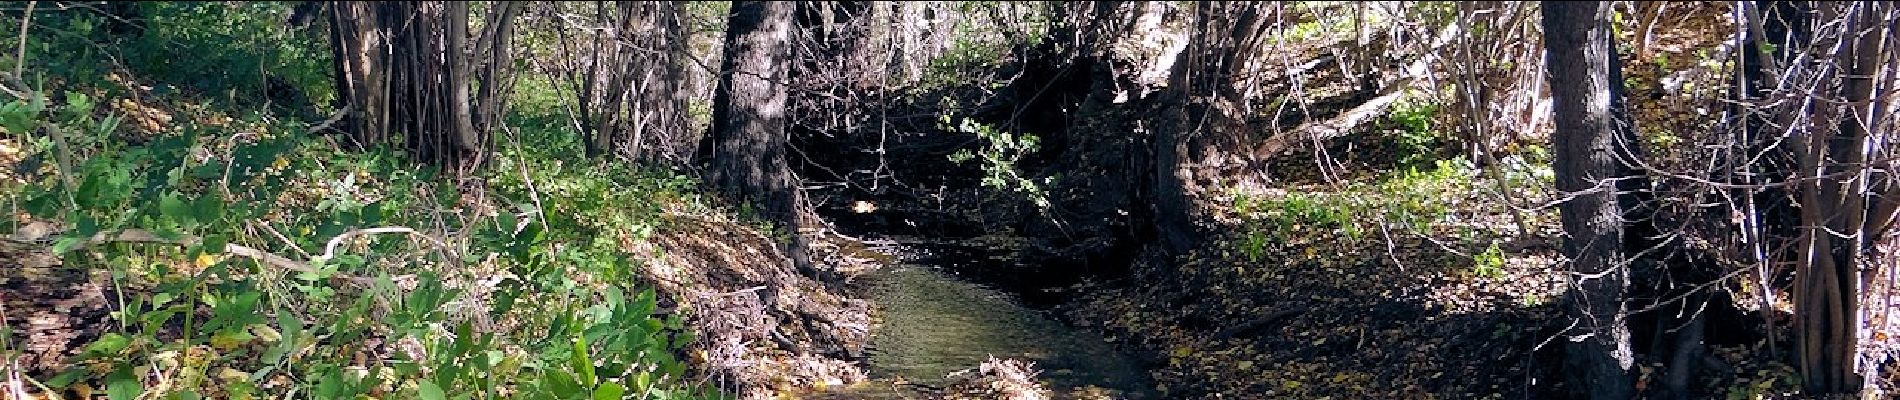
1035,200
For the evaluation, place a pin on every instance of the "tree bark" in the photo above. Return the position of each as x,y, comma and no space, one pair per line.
407,67
1206,136
1579,52
497,61
1834,214
745,154
631,86
362,74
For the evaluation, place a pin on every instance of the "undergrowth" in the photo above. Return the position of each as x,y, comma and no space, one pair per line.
1412,200
394,280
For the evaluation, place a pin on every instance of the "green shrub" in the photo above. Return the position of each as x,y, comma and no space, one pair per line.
1489,263
229,51
1000,152
215,325
1419,141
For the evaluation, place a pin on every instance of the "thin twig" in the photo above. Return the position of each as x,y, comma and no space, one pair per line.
329,250
280,237
19,54
334,118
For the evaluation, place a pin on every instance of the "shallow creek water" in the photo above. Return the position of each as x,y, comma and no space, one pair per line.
931,323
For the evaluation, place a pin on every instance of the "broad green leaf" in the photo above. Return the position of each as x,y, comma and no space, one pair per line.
562,384
173,208
208,208
645,303
610,391
427,390
214,243
122,385
85,227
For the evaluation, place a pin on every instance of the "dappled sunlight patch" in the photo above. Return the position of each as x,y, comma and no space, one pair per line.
762,328
1405,286
12,172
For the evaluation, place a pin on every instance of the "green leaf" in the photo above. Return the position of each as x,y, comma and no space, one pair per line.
66,378
427,390
167,233
504,302
208,208
207,171
43,203
161,298
610,391
77,103
108,125
562,384
214,243
91,191
122,385
64,244
173,208
159,316
583,363
331,385
85,227
645,303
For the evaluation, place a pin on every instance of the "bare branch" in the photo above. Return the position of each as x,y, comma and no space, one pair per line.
19,55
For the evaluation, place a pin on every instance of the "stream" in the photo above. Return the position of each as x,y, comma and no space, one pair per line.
931,322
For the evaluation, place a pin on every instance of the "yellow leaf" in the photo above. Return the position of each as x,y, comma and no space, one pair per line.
207,260
232,375
265,333
223,341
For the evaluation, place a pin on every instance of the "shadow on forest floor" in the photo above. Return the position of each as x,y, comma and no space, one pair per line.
1337,318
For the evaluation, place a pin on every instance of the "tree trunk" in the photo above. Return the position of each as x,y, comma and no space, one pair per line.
407,66
1579,52
1081,96
630,80
497,63
662,118
1204,140
620,62
1834,214
362,68
745,154
464,140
